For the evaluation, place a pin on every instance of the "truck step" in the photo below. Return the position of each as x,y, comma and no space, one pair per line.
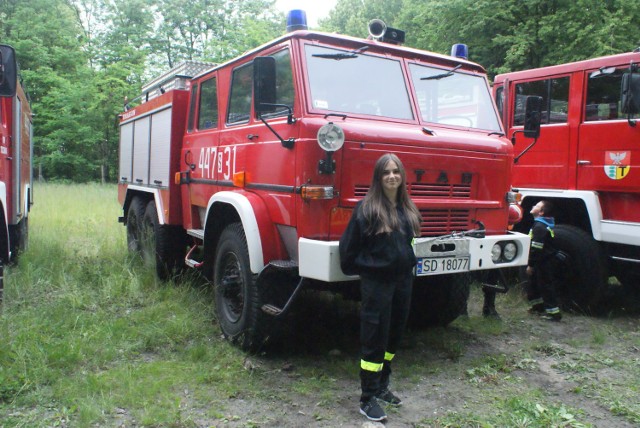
284,264
191,262
271,310
196,233
276,311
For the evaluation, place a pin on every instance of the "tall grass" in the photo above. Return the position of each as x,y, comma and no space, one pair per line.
82,325
88,337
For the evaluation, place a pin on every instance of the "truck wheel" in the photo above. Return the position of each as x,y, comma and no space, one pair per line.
236,295
438,300
134,225
584,280
19,238
163,246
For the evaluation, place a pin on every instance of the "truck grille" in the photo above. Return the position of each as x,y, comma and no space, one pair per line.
436,222
426,190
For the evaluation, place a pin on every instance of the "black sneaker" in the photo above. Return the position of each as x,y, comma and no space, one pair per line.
389,397
372,410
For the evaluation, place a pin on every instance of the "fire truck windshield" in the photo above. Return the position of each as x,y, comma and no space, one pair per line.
364,84
460,99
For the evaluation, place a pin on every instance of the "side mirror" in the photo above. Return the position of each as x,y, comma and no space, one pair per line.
532,116
630,93
8,71
264,84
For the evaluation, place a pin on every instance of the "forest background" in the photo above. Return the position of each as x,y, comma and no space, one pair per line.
80,59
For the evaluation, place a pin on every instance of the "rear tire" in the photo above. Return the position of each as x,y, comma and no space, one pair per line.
438,300
134,225
164,246
584,279
19,238
238,303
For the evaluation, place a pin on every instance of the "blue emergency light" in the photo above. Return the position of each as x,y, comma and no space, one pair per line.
296,20
460,50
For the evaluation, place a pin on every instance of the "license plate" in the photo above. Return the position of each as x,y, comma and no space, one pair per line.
439,265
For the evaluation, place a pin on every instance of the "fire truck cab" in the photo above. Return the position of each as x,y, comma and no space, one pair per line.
249,171
586,160
16,152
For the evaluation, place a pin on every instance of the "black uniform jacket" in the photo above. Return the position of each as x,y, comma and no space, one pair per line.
382,255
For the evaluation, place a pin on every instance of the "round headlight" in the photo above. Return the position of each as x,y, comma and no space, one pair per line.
496,252
510,251
330,137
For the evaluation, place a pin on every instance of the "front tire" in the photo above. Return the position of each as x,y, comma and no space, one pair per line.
236,294
438,300
584,280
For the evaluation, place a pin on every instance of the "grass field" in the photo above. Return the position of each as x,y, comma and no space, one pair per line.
88,337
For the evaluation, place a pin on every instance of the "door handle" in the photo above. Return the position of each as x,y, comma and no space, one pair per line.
584,162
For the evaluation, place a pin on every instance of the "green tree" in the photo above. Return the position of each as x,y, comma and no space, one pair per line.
503,35
45,34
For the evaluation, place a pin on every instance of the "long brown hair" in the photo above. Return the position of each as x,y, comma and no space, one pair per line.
379,211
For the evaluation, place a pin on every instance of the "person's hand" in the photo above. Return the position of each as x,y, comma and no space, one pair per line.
529,270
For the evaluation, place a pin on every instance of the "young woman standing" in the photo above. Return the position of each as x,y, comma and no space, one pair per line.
377,246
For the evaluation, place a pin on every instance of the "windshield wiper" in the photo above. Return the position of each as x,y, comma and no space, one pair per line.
346,55
442,75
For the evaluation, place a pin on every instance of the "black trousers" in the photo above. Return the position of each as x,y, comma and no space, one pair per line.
542,284
383,318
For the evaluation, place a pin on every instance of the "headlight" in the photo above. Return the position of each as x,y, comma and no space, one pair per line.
496,252
330,137
510,251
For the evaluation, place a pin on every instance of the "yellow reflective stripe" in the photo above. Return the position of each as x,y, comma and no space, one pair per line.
553,235
388,356
370,367
535,244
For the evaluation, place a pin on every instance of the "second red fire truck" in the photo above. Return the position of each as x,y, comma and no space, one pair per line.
15,160
16,152
587,161
249,171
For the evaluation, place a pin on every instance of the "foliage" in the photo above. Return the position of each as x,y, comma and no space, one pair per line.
80,59
503,35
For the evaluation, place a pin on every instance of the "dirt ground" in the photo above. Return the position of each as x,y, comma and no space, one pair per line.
467,369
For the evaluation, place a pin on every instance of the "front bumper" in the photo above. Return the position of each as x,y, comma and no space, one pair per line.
321,259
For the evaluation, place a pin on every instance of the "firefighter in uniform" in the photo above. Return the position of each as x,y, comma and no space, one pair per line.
542,263
377,246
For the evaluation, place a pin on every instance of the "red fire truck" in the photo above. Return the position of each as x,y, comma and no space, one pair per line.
15,160
249,171
587,161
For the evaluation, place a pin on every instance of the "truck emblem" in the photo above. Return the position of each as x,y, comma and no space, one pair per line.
617,164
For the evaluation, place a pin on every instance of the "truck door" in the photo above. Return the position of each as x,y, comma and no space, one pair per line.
609,147
248,145
201,145
547,164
